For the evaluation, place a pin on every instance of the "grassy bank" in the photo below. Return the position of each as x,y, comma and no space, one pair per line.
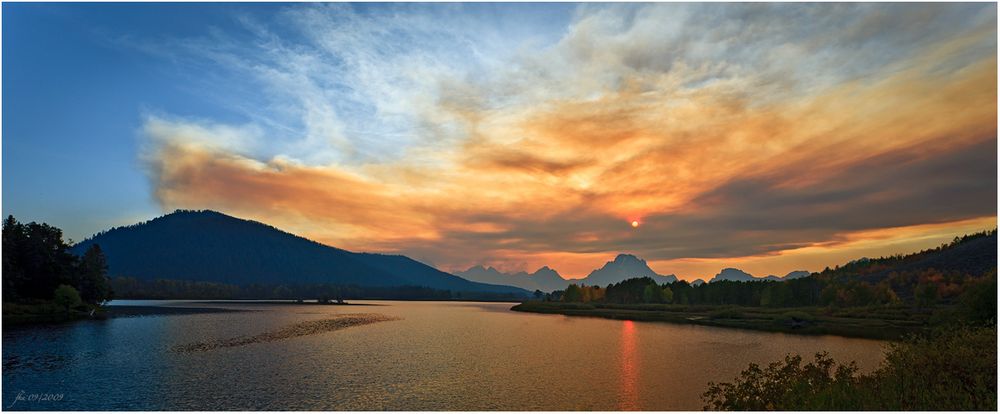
46,312
876,322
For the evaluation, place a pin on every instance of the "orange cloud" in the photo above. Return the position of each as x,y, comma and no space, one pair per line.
722,166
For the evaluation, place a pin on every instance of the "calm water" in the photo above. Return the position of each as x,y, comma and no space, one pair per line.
439,356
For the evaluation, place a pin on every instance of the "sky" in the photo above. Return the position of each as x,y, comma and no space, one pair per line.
767,137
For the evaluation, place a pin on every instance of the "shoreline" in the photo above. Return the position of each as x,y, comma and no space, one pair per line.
798,321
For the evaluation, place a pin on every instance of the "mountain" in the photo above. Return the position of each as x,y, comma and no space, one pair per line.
625,266
544,279
796,274
208,246
733,275
697,282
737,275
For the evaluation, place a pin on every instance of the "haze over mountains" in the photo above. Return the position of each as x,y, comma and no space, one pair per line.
624,266
544,279
208,246
737,275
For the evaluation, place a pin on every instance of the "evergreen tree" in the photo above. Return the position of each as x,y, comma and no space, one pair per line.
92,276
573,294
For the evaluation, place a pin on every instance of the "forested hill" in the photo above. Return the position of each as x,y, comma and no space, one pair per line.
973,254
208,246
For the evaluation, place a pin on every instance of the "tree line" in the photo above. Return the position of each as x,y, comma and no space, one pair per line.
38,266
927,287
136,288
964,268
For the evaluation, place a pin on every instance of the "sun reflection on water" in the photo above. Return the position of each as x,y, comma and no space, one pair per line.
629,398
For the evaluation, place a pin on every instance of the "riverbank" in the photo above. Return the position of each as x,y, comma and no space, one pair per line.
44,312
50,313
883,322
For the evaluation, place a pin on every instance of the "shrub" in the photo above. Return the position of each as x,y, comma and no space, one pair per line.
953,369
67,297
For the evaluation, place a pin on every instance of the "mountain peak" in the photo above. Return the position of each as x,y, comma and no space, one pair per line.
732,274
545,278
625,258
624,266
209,246
796,274
546,271
737,275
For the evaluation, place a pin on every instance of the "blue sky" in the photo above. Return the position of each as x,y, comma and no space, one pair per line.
775,137
73,109
80,80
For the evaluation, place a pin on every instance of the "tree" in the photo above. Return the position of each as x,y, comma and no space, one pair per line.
978,304
573,293
926,294
539,294
13,275
67,297
766,296
885,295
36,260
682,298
95,288
667,295
652,294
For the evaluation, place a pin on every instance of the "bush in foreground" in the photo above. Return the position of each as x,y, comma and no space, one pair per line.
951,369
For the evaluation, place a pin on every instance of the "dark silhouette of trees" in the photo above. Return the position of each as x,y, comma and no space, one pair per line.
573,294
957,275
36,261
978,303
92,276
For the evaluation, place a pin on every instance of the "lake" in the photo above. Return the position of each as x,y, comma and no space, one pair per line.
436,356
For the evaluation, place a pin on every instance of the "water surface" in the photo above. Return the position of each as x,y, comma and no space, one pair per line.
436,356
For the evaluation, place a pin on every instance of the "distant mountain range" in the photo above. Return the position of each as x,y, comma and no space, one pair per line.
544,279
737,275
208,246
625,266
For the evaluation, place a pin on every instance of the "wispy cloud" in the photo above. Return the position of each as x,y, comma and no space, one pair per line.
729,131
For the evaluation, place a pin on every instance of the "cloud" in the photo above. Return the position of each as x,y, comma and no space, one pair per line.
729,131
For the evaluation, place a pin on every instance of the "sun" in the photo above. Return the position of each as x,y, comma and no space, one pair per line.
635,223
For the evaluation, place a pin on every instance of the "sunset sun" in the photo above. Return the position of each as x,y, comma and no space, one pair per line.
635,223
